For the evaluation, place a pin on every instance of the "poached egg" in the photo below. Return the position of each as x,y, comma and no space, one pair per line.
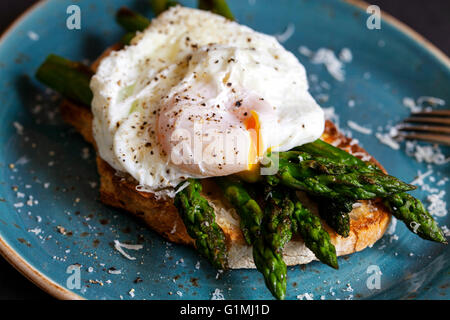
196,95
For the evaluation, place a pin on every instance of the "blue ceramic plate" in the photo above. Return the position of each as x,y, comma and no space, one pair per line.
50,214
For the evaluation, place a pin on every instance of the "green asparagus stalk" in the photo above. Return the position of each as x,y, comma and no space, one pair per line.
284,215
248,209
272,266
71,79
277,221
216,6
160,6
131,21
320,148
316,238
199,218
413,213
126,39
332,181
267,260
336,214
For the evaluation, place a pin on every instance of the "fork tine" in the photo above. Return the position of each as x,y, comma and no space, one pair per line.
430,137
443,113
440,129
435,120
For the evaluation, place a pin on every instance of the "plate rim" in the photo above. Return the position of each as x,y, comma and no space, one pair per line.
60,292
6,251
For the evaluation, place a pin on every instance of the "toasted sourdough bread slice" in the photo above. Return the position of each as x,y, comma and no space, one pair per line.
368,223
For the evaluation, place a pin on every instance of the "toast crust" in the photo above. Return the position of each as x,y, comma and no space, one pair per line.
368,222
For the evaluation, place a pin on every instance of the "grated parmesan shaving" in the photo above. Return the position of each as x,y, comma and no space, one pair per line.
437,207
118,246
287,34
363,156
426,153
183,186
432,101
346,55
392,226
387,139
419,181
305,296
159,194
423,102
353,125
330,114
33,35
19,127
327,57
446,231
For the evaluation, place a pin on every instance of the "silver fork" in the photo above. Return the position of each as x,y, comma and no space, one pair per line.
432,126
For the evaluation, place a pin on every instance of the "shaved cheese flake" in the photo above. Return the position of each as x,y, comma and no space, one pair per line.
119,247
287,34
437,207
346,55
432,101
327,57
386,139
305,296
419,181
426,153
392,226
353,125
446,231
333,65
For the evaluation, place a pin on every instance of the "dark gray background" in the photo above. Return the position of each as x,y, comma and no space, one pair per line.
430,18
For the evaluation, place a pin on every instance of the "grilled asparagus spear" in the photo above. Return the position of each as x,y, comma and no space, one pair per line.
336,214
267,260
285,215
329,180
320,148
412,212
131,21
272,266
71,79
216,6
315,236
199,218
159,6
248,209
277,221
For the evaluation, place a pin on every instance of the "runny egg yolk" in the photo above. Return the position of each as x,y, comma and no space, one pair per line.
253,126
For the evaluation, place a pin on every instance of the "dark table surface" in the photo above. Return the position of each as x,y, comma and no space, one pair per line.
429,18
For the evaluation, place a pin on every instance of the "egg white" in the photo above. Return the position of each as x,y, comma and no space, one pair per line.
132,85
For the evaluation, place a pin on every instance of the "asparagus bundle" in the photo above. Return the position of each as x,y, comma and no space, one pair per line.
260,231
402,205
199,218
288,216
69,78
